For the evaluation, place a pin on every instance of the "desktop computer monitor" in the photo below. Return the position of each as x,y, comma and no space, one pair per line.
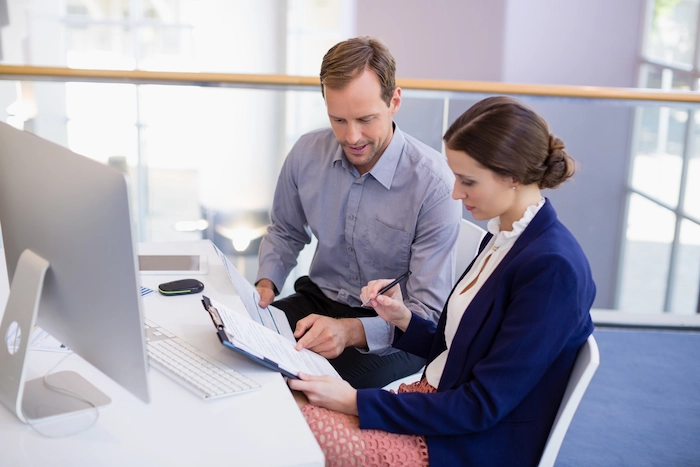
74,213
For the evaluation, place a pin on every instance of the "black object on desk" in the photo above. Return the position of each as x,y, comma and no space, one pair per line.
181,287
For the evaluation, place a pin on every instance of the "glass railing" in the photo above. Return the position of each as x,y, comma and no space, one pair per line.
204,152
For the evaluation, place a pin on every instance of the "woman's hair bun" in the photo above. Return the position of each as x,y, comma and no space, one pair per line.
559,166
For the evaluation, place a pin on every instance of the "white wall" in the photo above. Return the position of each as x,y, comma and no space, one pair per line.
578,42
591,43
438,39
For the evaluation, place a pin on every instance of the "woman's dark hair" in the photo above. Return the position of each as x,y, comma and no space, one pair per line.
347,60
508,138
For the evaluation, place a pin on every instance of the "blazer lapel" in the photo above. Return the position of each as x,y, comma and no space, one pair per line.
479,309
439,341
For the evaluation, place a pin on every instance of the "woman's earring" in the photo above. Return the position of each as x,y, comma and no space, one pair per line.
514,187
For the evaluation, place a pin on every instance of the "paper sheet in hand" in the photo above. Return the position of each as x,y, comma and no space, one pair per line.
249,295
266,346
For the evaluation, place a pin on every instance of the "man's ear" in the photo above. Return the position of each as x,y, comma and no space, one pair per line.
395,101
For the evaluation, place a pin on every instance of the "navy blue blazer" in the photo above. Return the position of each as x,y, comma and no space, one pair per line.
510,359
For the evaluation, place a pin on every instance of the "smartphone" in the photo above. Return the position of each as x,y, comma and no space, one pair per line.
173,264
181,287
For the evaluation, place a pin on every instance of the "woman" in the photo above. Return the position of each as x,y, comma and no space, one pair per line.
500,357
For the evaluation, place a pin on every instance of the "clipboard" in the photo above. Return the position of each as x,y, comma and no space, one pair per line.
223,337
276,353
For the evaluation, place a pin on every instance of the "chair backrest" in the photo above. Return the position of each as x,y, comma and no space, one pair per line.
470,236
585,366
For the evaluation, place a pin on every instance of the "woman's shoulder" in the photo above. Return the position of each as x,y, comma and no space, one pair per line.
554,247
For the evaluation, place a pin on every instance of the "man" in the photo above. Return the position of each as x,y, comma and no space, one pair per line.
379,203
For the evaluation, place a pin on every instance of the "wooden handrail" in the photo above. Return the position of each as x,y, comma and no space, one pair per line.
18,72
38,73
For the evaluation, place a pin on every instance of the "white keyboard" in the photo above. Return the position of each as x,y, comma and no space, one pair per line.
197,371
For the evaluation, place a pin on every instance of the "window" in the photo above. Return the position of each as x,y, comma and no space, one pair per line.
661,259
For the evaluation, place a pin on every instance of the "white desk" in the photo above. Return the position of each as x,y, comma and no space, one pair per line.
263,428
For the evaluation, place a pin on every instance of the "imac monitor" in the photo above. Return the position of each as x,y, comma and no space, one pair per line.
72,212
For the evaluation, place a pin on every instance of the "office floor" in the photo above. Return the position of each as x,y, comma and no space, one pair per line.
643,405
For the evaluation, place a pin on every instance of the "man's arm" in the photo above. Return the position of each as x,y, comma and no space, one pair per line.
286,235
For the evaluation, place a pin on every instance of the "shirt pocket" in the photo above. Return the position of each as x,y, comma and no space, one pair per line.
387,249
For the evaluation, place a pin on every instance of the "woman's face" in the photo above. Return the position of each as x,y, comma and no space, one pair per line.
484,193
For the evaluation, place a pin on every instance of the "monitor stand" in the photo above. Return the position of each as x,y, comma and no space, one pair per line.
34,401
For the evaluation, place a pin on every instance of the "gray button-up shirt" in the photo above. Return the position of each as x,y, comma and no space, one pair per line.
400,215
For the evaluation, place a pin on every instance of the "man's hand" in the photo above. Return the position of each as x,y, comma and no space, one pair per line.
327,391
266,289
329,336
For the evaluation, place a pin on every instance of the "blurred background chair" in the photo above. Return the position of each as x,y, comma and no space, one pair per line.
470,236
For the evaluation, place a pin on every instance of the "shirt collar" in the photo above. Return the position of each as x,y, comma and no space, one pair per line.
503,236
385,168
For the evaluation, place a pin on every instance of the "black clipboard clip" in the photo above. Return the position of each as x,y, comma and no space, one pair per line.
213,312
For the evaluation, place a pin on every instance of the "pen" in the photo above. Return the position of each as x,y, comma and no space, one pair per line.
393,283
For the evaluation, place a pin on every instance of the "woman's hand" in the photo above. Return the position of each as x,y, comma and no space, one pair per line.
327,391
389,306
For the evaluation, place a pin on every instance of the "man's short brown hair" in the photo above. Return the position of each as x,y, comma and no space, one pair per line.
347,60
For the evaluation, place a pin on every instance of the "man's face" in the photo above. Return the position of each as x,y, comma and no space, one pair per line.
361,120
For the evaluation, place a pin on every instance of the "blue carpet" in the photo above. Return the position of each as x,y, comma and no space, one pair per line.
643,406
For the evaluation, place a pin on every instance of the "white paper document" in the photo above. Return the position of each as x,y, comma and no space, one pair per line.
250,297
263,343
